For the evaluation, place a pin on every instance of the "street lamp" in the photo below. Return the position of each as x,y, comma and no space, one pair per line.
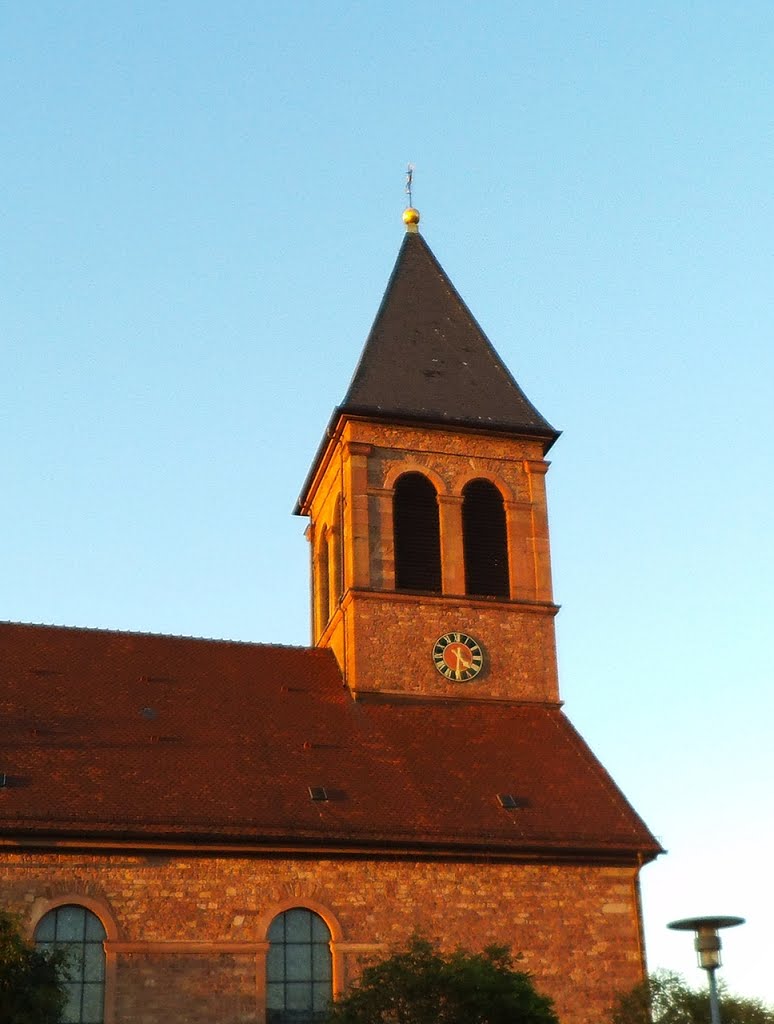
707,945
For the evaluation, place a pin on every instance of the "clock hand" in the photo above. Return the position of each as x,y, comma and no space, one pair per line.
463,662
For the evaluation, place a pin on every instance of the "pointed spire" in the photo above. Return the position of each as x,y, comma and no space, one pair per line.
426,357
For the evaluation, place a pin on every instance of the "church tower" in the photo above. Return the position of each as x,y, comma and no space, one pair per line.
431,570
452,797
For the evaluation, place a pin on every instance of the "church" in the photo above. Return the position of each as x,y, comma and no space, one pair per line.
224,832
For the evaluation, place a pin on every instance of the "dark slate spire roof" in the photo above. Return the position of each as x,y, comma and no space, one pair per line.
426,358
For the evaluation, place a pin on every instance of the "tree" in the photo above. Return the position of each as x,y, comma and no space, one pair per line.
31,981
666,998
420,985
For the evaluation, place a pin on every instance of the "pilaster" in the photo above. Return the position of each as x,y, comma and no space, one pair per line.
453,559
541,552
357,560
521,561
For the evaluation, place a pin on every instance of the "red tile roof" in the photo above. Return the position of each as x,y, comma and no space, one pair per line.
124,736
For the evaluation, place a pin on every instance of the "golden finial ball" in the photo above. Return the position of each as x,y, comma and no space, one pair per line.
410,216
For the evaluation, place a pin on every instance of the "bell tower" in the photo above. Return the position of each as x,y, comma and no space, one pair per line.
431,571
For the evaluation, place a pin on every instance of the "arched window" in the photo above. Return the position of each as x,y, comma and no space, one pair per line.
484,540
299,984
81,934
417,537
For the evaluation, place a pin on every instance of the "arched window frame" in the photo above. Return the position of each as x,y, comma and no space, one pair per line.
402,538
333,943
102,911
502,590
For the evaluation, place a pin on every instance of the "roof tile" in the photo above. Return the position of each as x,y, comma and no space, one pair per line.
239,732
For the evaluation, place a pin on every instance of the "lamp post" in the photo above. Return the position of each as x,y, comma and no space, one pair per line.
707,945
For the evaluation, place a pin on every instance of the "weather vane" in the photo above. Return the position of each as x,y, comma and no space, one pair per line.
410,215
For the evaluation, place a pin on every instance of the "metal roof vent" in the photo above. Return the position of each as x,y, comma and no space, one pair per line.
318,793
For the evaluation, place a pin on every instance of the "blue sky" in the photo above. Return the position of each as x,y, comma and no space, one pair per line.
201,207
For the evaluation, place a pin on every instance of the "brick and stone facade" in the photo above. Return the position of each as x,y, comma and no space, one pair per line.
187,934
372,620
188,794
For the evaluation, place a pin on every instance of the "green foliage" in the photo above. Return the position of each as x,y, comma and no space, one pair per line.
666,998
31,987
420,985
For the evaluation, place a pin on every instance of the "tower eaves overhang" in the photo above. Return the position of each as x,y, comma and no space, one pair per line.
341,414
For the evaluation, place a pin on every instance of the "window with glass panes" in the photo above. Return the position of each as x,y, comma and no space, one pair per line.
81,934
298,968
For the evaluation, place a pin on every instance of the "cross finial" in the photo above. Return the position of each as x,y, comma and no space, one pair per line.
410,215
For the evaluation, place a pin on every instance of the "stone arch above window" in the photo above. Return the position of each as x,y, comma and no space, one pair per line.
462,479
417,534
99,907
299,968
484,540
399,469
76,929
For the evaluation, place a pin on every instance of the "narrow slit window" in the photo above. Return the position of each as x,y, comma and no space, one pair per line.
337,561
322,584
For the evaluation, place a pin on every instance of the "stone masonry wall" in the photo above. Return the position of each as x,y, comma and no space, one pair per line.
391,638
187,934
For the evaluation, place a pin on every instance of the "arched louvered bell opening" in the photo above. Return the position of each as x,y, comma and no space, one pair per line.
417,536
485,541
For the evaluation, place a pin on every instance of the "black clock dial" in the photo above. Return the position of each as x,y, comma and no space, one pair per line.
458,657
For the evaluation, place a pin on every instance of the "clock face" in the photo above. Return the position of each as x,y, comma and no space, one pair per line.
458,657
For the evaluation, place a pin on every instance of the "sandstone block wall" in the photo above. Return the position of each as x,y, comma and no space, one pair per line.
187,934
390,641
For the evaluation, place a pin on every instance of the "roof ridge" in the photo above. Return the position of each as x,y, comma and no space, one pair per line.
104,630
